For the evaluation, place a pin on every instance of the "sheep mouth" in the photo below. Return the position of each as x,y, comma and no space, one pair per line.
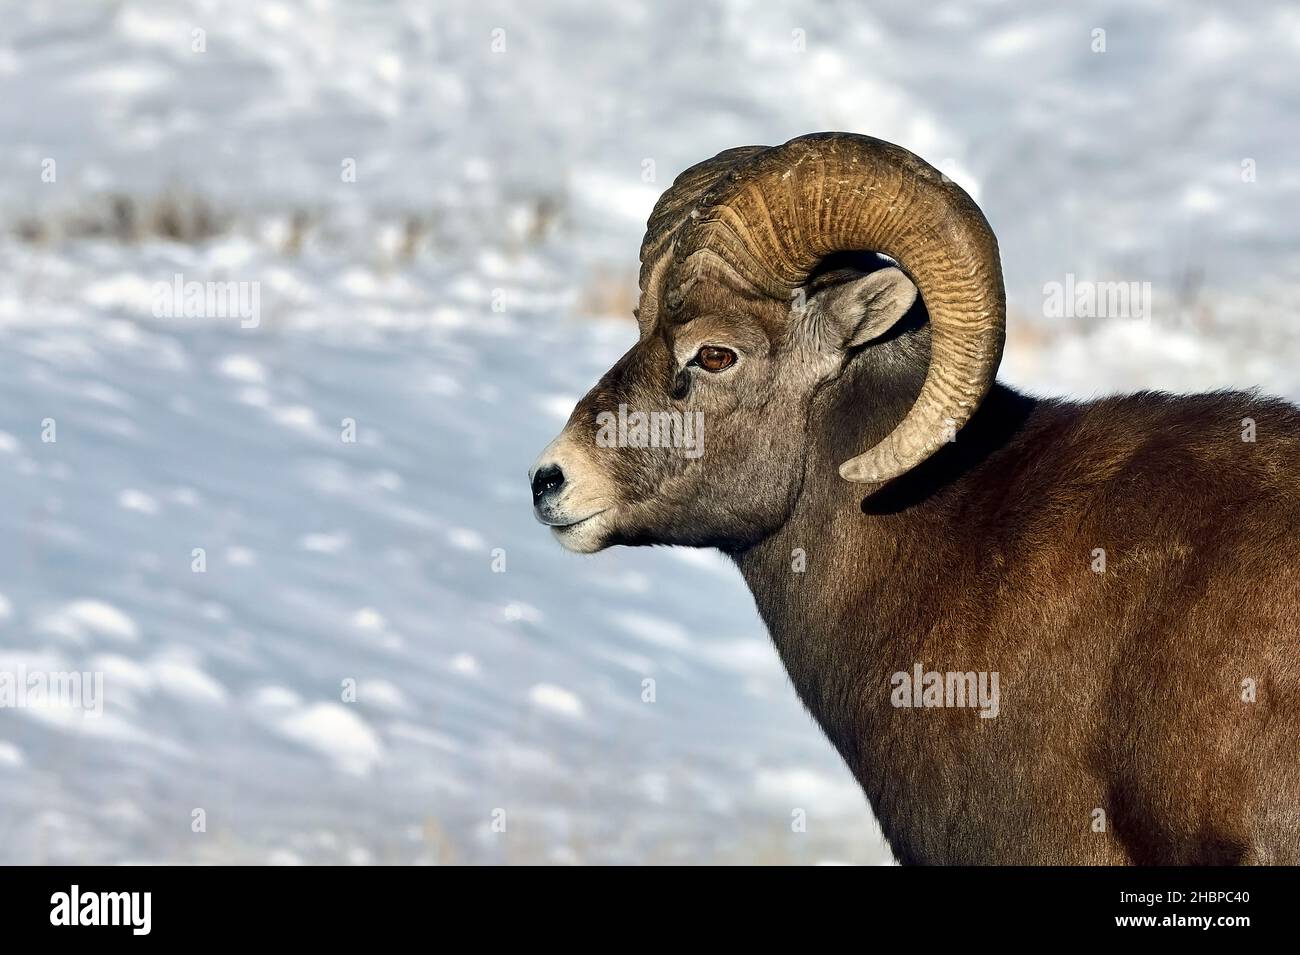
561,526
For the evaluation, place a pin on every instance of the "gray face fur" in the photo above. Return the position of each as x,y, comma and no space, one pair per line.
727,447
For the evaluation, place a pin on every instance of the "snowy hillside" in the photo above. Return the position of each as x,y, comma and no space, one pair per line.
375,561
300,549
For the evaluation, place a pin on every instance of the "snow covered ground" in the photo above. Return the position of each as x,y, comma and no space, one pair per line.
301,552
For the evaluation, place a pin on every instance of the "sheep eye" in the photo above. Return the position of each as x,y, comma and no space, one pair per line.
713,358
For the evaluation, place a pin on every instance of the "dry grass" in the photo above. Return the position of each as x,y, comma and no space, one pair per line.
175,216
609,293
397,236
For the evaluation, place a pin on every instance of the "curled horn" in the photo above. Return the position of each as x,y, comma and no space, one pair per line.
675,208
770,215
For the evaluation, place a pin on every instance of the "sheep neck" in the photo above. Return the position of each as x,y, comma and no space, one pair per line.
854,587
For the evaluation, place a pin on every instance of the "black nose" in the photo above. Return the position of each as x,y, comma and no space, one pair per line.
546,481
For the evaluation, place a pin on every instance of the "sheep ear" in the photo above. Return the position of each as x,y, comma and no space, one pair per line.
858,311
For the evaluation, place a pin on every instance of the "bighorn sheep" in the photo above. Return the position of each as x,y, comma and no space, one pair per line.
1128,570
